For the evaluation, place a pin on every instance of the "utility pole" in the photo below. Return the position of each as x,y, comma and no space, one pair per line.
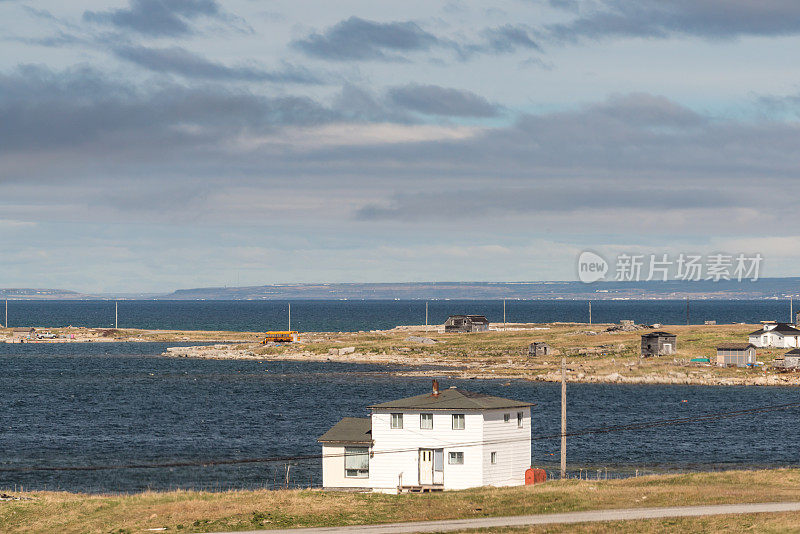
6,312
687,310
590,312
563,417
426,315
290,317
116,313
504,314
791,319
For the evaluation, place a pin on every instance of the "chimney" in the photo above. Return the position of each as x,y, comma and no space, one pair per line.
435,387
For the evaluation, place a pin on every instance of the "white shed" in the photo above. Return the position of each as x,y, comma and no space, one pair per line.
449,439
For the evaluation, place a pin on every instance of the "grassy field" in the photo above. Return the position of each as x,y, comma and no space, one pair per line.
187,511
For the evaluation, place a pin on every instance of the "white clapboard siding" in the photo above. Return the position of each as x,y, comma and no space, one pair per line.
333,475
512,445
387,464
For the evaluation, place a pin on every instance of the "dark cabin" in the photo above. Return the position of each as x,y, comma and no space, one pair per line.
658,344
539,348
466,323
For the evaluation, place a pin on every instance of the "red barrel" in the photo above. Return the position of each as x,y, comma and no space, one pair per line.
535,476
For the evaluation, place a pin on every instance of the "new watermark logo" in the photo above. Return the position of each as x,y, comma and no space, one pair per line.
687,267
591,267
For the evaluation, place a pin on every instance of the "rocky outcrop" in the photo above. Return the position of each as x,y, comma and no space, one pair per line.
217,352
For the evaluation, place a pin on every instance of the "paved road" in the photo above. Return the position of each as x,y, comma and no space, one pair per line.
544,519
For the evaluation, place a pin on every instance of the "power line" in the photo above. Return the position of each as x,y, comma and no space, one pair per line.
598,430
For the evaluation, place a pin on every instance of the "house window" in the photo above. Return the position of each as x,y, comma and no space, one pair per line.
426,421
494,457
458,421
356,462
519,419
397,420
455,458
506,417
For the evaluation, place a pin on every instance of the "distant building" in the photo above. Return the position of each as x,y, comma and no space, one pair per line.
23,333
466,323
736,354
779,335
442,440
539,348
791,360
658,344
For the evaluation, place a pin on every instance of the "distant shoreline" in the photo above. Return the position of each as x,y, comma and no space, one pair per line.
597,353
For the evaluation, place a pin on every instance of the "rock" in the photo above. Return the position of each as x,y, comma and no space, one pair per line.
423,340
342,351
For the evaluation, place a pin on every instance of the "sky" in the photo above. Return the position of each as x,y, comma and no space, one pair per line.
150,145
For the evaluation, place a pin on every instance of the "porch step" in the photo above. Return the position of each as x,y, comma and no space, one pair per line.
421,488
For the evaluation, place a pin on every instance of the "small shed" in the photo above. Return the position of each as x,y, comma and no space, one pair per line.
539,348
658,344
23,333
791,360
736,354
466,323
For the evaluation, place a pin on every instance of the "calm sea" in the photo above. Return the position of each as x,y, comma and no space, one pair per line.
94,404
356,315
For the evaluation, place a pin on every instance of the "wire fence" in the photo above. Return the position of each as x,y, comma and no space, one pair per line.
284,472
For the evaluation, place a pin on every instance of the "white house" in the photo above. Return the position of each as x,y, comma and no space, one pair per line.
449,439
779,335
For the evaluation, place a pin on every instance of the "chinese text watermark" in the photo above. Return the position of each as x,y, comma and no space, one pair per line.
686,267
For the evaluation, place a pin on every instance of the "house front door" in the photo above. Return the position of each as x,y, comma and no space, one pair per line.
426,466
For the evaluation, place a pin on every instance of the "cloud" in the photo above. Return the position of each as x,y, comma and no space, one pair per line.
359,39
435,100
43,109
713,19
176,60
479,203
156,17
504,39
356,39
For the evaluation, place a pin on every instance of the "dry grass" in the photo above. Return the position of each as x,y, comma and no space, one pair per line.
739,523
186,511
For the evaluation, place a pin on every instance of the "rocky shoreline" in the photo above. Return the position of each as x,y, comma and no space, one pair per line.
479,370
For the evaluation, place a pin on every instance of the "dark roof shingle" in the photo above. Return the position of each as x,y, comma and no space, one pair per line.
349,430
735,346
452,399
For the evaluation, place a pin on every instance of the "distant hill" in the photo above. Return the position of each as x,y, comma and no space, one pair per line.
764,288
42,294
769,288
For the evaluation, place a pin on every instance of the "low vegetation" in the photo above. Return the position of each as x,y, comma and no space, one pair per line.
191,511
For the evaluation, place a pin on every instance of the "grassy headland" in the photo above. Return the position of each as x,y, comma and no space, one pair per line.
595,353
190,511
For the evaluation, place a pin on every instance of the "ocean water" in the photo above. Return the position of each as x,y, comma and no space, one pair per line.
117,404
357,315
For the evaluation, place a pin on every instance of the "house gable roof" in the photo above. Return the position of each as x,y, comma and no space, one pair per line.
785,328
659,333
452,399
349,430
793,352
474,318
